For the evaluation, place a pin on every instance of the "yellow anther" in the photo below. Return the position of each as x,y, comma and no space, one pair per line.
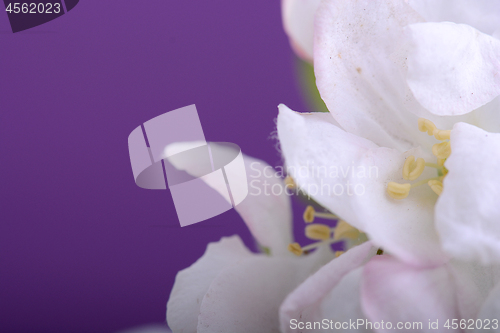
345,230
441,161
413,169
442,150
442,134
318,231
295,248
309,214
398,191
436,186
338,253
289,182
425,125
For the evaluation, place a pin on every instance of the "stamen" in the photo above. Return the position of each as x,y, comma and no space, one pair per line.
310,214
425,125
434,165
442,150
424,181
318,231
398,191
315,245
442,134
413,169
345,230
339,253
295,248
436,186
380,252
289,182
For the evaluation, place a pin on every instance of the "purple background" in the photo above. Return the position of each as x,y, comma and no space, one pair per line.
82,248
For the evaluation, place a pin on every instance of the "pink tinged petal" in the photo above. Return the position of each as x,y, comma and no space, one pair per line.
483,15
452,68
394,292
360,66
490,310
192,283
298,21
266,210
474,282
467,212
348,175
245,297
304,303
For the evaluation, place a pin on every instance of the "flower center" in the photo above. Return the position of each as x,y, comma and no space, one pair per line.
325,234
412,169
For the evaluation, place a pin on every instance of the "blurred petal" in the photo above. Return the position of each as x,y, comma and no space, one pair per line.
348,175
483,15
306,302
490,310
343,303
360,65
474,282
487,117
394,292
298,21
452,68
266,210
245,296
467,212
192,283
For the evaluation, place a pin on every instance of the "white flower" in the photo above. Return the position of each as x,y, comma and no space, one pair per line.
230,289
376,97
358,286
465,215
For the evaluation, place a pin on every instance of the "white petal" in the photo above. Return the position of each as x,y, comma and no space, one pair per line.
483,15
298,21
394,292
452,68
267,208
473,283
360,66
489,312
467,212
303,303
343,303
349,175
192,283
245,297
